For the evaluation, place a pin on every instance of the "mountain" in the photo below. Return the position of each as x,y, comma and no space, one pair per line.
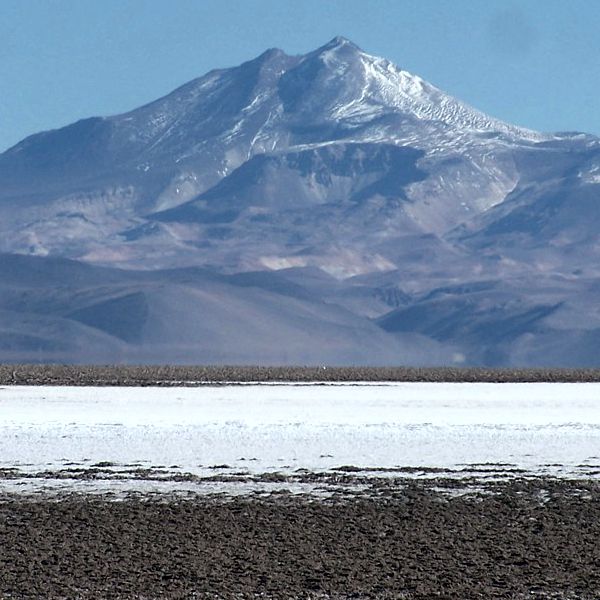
64,311
332,207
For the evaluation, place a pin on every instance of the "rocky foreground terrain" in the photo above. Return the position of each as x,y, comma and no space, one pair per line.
518,538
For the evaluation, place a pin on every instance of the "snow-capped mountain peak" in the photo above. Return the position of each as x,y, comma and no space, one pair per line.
277,101
340,83
171,151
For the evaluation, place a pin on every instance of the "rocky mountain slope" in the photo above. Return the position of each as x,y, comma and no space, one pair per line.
411,227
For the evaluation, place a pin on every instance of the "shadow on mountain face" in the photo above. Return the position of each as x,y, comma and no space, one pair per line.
314,85
62,153
490,320
123,317
346,173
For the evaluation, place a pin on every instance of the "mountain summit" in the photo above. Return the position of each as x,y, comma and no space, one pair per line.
367,186
81,190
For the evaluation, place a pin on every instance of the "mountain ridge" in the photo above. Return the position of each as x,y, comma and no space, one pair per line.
334,162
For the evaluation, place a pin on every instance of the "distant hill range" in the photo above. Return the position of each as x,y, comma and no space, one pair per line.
329,208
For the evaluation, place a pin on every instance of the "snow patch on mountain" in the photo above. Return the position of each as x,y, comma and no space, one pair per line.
388,88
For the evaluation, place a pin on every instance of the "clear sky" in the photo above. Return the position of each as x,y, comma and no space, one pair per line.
535,63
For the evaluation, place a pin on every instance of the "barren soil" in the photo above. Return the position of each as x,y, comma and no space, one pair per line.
518,539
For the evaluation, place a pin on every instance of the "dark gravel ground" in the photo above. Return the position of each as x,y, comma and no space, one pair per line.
190,375
522,539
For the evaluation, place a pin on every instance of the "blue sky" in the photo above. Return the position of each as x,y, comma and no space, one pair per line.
534,63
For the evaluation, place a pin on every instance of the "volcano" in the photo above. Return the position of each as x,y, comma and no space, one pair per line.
329,208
